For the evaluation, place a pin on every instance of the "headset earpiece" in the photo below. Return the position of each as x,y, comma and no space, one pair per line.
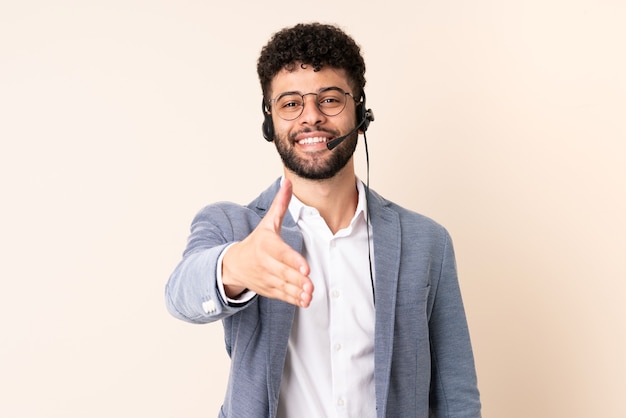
268,123
364,115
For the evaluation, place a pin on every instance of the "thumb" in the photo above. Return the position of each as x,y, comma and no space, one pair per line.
277,211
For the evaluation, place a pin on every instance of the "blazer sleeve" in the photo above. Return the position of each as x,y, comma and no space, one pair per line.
191,293
454,389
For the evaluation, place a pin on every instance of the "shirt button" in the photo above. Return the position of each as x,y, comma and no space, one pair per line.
338,347
335,294
340,402
333,244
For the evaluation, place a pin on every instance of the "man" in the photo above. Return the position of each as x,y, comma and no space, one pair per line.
334,301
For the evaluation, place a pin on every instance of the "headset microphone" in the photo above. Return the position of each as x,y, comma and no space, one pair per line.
367,118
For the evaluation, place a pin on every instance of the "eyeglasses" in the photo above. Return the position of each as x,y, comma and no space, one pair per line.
330,101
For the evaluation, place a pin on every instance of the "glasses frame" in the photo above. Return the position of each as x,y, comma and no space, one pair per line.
317,103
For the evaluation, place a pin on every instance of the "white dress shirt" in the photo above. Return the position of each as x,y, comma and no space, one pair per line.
329,369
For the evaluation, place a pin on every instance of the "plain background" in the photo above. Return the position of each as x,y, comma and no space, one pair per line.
119,120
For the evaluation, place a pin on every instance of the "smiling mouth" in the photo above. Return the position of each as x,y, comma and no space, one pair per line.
313,140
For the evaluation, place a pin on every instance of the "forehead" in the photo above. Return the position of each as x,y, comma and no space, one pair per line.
307,80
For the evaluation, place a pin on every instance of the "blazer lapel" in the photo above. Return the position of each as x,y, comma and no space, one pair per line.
280,319
277,315
386,236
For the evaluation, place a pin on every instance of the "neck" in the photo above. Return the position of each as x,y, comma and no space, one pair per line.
335,198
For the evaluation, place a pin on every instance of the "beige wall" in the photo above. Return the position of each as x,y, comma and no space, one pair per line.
505,121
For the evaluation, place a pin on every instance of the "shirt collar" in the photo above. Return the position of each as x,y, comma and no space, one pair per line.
296,207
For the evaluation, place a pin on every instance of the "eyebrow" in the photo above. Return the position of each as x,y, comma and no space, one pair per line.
317,92
289,92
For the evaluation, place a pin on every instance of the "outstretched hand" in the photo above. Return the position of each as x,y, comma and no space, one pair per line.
267,265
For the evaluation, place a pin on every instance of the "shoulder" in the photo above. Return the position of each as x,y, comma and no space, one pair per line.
230,215
411,222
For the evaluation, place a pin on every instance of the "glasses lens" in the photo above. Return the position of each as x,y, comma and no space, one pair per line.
289,105
331,101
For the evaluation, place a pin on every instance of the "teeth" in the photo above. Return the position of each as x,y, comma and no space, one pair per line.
313,140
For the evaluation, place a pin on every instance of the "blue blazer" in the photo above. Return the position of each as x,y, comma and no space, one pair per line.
424,365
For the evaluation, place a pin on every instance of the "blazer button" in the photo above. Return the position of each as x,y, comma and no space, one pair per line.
208,306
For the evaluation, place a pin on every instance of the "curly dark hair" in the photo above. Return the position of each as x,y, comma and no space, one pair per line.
313,44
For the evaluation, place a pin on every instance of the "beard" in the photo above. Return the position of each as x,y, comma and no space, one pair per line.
317,165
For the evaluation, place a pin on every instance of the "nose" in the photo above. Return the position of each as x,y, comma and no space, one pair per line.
311,113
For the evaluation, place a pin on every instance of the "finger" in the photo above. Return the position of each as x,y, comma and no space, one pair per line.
291,286
279,206
274,217
289,257
288,292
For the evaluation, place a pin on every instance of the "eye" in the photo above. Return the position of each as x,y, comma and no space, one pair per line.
289,102
331,99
